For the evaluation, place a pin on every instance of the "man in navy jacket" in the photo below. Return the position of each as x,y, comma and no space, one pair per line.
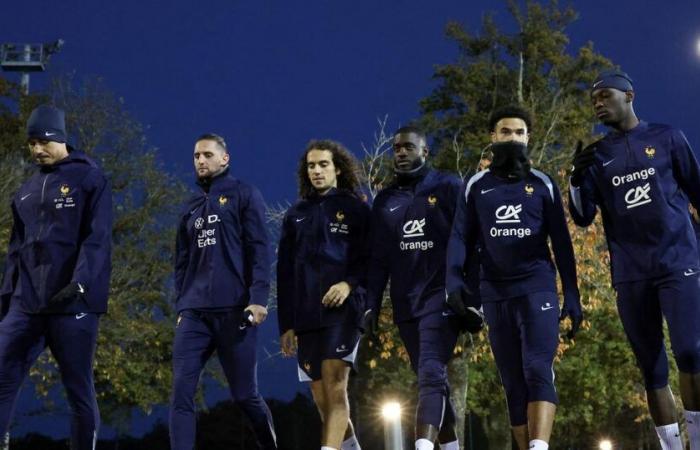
56,280
411,222
321,282
641,176
222,286
509,212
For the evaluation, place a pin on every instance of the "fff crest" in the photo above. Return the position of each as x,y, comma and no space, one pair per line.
650,151
432,200
529,189
339,216
222,200
65,189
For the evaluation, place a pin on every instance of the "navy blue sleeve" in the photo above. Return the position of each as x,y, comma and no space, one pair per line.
582,201
685,167
9,280
359,251
462,243
95,255
285,277
561,244
255,250
182,255
378,267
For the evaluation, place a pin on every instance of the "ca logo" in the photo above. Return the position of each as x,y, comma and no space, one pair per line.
508,213
413,228
638,196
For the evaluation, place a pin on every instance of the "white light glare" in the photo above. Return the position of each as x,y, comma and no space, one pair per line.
391,411
605,444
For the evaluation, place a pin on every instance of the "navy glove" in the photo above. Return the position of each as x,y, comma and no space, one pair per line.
68,294
583,159
370,323
471,318
572,309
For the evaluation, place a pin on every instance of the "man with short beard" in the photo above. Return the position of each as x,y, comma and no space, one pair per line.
321,282
641,176
222,286
509,212
411,222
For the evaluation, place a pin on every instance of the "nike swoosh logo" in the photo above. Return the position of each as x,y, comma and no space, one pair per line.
545,309
193,211
394,208
690,272
597,83
47,134
340,349
608,162
23,197
446,314
242,327
80,316
300,220
81,289
487,190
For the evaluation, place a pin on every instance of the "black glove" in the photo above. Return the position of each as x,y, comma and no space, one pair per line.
471,319
68,294
583,159
370,323
572,309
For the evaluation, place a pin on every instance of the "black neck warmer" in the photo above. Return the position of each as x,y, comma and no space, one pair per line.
510,160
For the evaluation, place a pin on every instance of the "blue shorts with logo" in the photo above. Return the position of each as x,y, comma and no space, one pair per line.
644,304
524,335
335,342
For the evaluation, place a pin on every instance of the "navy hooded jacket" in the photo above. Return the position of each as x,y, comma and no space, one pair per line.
222,258
641,181
410,230
510,223
323,242
62,233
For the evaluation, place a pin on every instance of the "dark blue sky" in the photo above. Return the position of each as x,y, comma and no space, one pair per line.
270,75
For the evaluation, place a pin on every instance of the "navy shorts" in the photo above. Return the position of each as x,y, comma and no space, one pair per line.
335,342
524,335
642,305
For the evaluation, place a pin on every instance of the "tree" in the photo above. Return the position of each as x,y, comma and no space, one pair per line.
531,64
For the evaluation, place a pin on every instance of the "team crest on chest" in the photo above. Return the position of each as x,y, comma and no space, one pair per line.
63,201
338,226
649,151
432,200
222,200
529,190
339,216
65,189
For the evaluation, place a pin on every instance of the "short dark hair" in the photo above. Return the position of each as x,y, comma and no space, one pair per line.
412,129
343,160
510,111
213,137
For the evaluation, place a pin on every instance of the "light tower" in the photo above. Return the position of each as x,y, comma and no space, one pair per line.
26,58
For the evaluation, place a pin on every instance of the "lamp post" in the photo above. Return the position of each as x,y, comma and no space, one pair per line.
393,435
605,444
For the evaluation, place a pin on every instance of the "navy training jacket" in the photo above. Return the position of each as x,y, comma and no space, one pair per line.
410,231
510,223
222,258
641,181
61,233
323,242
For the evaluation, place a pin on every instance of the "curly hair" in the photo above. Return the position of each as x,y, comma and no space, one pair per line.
343,160
510,112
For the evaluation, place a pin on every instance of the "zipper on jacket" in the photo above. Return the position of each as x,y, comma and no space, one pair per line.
41,207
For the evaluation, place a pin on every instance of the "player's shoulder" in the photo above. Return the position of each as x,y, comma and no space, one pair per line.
476,180
545,180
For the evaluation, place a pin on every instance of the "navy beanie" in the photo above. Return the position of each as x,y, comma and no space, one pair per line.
615,79
48,123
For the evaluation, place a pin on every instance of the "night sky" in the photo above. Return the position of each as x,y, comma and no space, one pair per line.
271,75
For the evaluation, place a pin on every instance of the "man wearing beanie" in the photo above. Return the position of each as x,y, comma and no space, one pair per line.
411,222
222,273
640,176
56,280
509,211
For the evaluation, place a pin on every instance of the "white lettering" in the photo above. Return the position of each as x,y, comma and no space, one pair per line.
619,180
507,232
508,213
418,245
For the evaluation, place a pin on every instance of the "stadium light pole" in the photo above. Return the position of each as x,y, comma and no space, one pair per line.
27,58
393,435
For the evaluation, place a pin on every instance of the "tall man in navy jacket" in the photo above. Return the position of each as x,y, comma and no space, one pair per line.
509,212
641,176
56,280
411,222
321,282
222,284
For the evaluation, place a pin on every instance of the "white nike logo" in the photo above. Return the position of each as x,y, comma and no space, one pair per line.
242,327
608,162
300,220
193,211
23,197
597,83
487,190
340,349
545,309
394,208
47,134
81,289
80,316
446,313
690,272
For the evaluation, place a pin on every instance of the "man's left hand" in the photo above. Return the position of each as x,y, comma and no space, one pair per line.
336,295
259,314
